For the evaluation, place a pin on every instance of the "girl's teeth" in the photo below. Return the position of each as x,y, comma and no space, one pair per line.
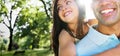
67,13
106,11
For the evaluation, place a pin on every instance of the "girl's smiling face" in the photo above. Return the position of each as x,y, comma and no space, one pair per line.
68,11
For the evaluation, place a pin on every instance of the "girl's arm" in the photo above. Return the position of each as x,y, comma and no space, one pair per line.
66,44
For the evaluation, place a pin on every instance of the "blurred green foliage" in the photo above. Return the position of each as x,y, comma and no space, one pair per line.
42,52
32,26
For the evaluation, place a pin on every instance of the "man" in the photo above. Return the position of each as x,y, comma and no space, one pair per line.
103,38
108,14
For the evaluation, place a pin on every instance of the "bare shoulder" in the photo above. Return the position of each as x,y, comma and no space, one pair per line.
92,21
64,37
66,44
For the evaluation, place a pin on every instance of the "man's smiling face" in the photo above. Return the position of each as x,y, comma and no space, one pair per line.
107,11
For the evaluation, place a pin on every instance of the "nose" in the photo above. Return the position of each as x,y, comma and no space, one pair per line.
104,2
65,7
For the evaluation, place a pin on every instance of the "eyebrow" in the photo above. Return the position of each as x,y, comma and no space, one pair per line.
60,4
65,0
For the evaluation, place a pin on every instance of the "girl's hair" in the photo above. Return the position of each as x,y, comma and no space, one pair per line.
58,25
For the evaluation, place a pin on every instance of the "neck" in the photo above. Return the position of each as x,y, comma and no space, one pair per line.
108,30
73,27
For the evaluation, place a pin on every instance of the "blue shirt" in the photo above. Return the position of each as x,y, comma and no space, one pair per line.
95,42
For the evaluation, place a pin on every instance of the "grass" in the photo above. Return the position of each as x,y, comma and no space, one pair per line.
37,52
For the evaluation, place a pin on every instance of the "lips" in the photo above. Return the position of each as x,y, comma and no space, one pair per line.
107,9
107,12
67,13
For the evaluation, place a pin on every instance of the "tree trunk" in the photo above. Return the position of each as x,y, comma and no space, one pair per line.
10,39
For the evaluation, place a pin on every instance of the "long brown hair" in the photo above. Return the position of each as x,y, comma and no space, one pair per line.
58,25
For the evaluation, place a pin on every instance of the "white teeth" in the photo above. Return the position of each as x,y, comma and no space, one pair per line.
106,11
67,13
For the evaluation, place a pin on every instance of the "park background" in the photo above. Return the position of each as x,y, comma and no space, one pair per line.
25,27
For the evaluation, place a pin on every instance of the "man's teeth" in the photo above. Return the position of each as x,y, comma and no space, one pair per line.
106,11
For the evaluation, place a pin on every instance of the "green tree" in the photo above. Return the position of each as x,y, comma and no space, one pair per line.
36,27
30,22
31,26
7,9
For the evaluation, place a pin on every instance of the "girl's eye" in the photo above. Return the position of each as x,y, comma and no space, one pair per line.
59,8
68,2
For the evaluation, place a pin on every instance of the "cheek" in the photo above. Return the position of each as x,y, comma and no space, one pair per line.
95,3
95,8
60,15
118,15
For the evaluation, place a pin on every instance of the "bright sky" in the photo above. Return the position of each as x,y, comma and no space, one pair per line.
89,13
4,29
